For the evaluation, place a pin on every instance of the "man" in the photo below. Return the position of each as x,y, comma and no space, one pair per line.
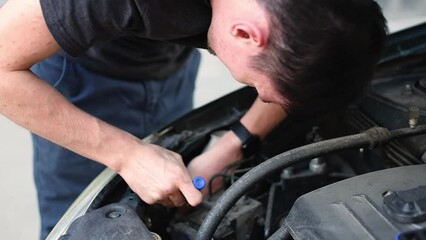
306,56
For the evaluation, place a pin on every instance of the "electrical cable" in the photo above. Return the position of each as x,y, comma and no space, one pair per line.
223,175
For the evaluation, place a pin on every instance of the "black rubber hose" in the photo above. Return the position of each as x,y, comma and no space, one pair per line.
370,138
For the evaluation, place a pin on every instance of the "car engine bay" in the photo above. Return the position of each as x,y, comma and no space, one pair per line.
345,188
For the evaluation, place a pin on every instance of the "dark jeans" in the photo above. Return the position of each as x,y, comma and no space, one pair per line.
137,107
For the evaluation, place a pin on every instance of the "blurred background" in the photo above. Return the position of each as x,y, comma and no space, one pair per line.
18,197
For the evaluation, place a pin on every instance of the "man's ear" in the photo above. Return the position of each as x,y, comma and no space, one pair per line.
248,33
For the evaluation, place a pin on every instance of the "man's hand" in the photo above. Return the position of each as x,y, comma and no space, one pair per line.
223,153
158,175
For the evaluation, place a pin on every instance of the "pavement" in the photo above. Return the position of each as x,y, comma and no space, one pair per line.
20,219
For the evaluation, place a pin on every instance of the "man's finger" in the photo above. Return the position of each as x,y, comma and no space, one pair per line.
192,195
167,203
177,199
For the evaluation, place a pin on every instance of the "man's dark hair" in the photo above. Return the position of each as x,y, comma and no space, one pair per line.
320,54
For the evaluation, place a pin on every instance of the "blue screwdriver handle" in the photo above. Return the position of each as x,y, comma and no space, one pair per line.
199,182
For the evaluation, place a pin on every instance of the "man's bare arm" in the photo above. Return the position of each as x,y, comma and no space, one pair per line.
155,174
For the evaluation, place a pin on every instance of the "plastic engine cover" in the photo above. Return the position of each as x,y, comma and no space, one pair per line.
356,208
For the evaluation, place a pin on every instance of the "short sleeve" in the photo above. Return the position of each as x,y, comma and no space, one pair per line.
77,24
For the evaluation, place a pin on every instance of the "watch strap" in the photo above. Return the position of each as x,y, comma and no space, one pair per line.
250,142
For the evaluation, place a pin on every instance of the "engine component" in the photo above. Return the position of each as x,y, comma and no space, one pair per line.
356,208
114,221
398,102
406,206
238,224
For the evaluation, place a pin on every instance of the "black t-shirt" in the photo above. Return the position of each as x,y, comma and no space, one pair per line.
133,39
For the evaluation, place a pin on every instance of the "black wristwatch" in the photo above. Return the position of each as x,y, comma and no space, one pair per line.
250,142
